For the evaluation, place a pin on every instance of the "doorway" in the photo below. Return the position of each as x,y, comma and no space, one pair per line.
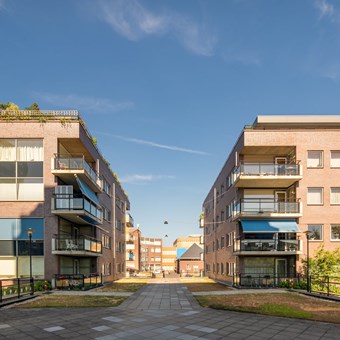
280,269
280,201
280,165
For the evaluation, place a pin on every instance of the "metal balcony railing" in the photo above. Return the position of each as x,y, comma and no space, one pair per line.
76,202
269,169
250,206
76,162
267,245
82,243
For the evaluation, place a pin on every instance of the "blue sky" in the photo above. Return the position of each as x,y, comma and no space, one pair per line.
167,86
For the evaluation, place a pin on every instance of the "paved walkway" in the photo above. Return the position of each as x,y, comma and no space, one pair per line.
157,311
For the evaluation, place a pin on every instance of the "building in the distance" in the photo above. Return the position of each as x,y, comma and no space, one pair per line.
182,244
281,180
151,254
132,249
190,263
169,256
55,182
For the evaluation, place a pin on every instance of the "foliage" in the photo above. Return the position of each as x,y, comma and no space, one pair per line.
40,285
34,107
296,284
4,106
324,263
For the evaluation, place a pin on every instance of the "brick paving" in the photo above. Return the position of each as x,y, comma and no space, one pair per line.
157,311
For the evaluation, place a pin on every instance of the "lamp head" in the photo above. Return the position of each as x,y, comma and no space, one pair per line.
166,222
29,232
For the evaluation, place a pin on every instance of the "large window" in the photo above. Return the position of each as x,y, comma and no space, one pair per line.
315,159
315,232
315,196
335,159
21,170
335,232
335,195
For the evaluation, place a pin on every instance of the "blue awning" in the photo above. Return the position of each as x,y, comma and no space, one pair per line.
270,226
87,192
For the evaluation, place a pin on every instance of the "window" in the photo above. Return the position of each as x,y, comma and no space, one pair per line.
315,232
217,245
335,195
222,242
217,268
315,196
106,241
335,159
21,170
222,268
315,159
106,187
106,214
222,190
188,267
222,216
227,268
213,245
335,232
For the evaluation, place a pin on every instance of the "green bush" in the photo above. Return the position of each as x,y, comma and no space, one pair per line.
40,285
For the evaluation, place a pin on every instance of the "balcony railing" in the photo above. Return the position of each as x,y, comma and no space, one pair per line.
75,202
76,162
254,206
270,169
80,244
266,245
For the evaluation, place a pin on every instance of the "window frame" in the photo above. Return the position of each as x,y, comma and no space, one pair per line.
321,232
330,236
321,159
322,196
330,159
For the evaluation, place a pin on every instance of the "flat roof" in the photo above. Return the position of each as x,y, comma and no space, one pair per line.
297,120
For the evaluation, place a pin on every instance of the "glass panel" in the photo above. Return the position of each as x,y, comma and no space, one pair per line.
7,190
7,248
335,232
7,169
30,150
315,232
314,159
37,225
37,247
335,195
335,159
7,150
8,229
30,169
314,196
30,189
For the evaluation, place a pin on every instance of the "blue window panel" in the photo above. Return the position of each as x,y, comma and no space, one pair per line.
8,228
266,226
37,225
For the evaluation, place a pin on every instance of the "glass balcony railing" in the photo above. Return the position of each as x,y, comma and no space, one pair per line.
251,206
77,202
82,243
269,169
266,245
71,162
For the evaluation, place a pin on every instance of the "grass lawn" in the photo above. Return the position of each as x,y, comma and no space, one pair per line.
121,286
277,304
75,301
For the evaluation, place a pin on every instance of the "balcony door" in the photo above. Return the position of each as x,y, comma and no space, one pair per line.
280,165
280,201
280,269
76,266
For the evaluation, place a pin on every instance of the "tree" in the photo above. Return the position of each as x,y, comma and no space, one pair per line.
4,106
12,107
33,107
325,263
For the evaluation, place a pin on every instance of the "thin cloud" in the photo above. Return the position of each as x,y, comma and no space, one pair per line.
143,179
157,145
72,101
135,22
327,10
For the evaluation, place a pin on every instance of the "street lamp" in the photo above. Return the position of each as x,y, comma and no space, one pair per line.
307,232
29,233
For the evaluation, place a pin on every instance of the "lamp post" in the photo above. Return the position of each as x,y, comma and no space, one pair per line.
307,269
29,233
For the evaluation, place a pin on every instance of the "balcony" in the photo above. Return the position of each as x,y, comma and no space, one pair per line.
266,207
82,246
66,166
268,247
266,175
129,220
76,208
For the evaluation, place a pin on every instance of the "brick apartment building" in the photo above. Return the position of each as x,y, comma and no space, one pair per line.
151,254
54,180
132,237
281,179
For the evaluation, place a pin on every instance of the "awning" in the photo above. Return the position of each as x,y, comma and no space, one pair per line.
270,226
87,191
